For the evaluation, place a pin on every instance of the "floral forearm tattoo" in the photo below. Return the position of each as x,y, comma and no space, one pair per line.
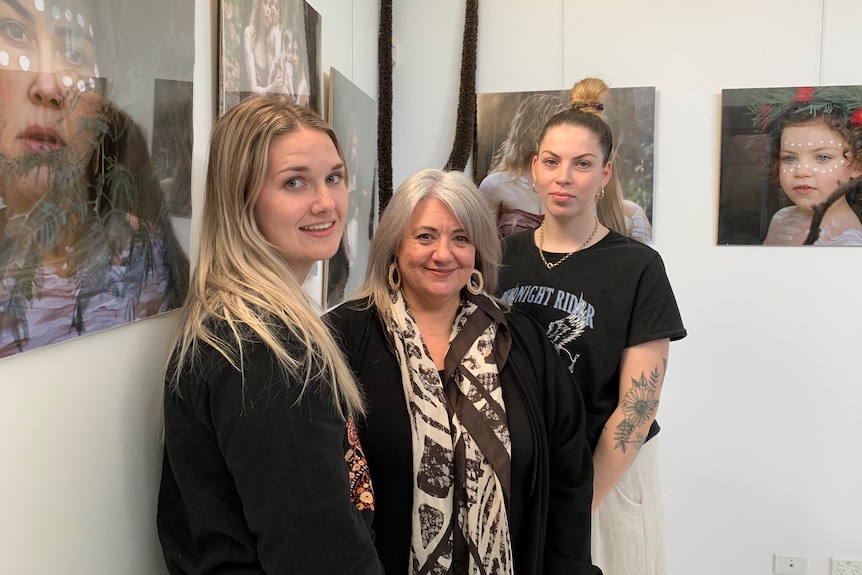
638,406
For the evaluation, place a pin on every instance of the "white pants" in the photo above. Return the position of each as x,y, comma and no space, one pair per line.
629,526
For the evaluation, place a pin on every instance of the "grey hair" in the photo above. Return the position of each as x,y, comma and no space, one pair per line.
458,193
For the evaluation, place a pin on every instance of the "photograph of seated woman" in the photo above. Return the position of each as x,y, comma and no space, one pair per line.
509,185
269,47
262,470
85,239
605,302
262,47
815,146
474,432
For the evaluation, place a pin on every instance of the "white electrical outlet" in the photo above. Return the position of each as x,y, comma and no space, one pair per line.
790,565
846,567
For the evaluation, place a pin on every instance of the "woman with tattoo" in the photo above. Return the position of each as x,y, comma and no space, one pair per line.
608,307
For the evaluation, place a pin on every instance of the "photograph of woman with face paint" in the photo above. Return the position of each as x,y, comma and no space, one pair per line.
85,242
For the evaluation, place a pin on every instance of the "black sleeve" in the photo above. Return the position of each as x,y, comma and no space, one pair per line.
567,546
655,314
570,465
285,454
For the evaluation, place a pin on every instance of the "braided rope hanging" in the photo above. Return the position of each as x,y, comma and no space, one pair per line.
384,106
465,126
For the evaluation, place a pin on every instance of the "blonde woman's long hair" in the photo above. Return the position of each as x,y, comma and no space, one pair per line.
585,95
522,142
242,281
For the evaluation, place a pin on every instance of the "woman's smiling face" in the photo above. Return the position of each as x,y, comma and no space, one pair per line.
49,89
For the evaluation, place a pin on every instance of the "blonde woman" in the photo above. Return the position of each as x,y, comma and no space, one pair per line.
508,184
260,470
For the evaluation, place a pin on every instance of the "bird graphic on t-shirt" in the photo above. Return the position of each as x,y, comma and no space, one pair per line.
566,330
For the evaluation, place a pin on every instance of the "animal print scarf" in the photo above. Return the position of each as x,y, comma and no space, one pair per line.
461,445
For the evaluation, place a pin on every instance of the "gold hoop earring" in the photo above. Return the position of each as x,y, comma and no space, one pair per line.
600,195
394,276
535,189
476,287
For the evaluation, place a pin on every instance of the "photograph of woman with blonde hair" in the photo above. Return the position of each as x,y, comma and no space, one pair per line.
508,126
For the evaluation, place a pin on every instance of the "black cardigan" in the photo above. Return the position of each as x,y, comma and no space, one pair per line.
552,522
254,478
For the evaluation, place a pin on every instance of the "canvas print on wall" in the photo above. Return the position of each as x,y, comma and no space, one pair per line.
785,153
508,127
269,47
353,116
86,235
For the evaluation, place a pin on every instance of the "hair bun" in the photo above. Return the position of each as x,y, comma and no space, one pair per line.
588,94
584,106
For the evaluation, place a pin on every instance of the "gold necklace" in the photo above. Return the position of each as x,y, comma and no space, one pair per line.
551,266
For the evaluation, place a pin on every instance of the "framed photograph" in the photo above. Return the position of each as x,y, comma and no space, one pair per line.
508,125
93,187
353,116
784,151
269,47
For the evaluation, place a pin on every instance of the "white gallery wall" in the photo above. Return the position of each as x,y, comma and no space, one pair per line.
760,412
80,451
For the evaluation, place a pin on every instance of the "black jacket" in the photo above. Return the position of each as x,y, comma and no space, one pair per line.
549,513
254,478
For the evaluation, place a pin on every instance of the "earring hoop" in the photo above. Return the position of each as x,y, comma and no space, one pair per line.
476,287
394,276
535,189
600,195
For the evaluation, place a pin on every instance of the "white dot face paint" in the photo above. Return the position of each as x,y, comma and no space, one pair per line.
92,84
4,58
82,86
40,5
80,20
67,81
55,12
812,163
24,63
68,14
96,70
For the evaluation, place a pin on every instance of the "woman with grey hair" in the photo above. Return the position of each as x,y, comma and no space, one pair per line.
474,434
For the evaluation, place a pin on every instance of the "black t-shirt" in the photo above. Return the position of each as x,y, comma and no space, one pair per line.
613,295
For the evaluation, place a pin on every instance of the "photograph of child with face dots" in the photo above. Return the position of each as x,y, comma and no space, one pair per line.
784,151
508,127
269,47
353,116
87,241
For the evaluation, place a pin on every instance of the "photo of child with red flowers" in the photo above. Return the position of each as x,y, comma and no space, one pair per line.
789,162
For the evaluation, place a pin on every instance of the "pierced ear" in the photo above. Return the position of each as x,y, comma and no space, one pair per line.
606,174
